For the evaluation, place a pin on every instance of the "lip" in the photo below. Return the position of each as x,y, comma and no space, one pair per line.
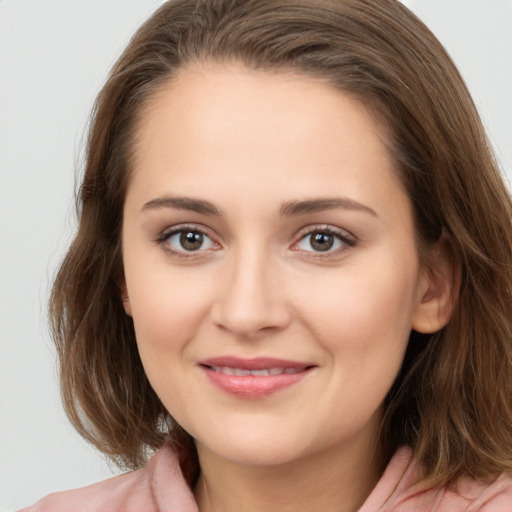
254,386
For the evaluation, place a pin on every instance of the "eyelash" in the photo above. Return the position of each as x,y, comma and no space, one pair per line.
346,239
164,237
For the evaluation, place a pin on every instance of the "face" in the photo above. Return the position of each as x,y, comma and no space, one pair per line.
270,263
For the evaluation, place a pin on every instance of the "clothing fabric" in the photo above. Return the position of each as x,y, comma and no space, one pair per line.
160,487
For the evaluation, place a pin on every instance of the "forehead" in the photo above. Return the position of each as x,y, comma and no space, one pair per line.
218,90
227,123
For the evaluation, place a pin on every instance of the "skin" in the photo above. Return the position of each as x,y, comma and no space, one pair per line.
250,143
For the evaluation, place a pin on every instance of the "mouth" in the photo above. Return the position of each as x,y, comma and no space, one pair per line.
254,378
264,372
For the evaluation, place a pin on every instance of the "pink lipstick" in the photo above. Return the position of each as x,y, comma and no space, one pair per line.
254,378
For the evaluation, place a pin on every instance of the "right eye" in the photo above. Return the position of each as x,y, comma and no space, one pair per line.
186,240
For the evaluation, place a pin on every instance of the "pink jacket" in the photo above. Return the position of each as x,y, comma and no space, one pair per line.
160,487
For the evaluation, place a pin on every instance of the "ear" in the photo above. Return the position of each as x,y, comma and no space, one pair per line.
125,298
438,289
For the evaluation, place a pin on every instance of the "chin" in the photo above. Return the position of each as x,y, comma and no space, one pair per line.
254,448
258,455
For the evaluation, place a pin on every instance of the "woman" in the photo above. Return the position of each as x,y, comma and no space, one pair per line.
291,276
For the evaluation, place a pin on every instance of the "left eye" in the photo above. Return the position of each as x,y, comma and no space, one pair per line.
188,240
322,241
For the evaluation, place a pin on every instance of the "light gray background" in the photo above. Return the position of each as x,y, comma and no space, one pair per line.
54,56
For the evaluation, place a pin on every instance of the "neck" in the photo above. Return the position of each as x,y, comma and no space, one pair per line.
335,480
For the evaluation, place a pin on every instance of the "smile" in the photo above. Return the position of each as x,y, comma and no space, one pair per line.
253,378
265,372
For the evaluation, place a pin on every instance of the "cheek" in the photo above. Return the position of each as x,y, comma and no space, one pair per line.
168,310
363,312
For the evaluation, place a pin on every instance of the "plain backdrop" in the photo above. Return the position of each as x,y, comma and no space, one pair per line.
54,56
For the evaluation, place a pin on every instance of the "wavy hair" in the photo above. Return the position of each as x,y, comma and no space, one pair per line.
452,401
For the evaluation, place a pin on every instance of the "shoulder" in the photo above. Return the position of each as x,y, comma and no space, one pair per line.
157,487
478,496
466,496
111,494
409,495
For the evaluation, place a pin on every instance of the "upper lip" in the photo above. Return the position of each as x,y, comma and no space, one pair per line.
256,363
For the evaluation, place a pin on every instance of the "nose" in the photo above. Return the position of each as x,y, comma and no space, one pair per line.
252,300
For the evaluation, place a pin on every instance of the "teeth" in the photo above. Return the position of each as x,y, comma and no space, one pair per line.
241,372
260,372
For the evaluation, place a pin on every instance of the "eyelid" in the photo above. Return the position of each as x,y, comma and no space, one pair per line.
168,232
165,233
348,239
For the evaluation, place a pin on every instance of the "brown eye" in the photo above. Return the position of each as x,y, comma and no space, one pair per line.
321,241
188,240
191,240
325,241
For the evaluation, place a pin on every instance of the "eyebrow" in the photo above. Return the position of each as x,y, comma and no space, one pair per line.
297,208
288,209
183,203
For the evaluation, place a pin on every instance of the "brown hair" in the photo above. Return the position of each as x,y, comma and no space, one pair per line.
452,401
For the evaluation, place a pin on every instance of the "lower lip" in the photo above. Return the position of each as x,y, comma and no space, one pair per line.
253,386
